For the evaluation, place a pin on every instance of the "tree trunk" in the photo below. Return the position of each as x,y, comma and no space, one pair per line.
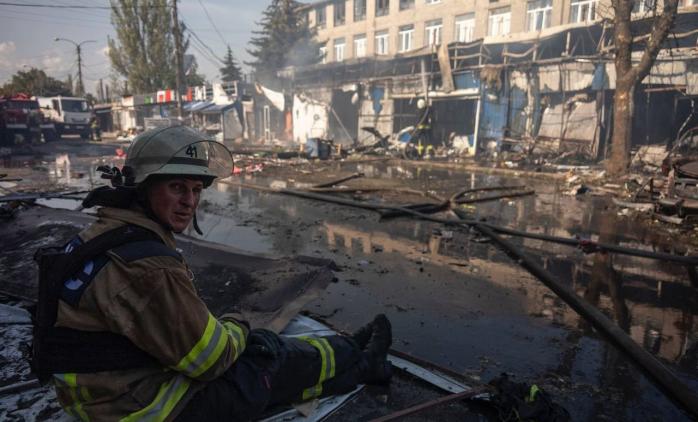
623,105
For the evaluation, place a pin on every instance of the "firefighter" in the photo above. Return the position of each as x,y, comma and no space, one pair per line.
132,340
95,129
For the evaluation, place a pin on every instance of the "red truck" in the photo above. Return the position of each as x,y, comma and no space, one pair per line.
22,121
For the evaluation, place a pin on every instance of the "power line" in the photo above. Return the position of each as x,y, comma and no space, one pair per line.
213,23
54,21
65,6
196,37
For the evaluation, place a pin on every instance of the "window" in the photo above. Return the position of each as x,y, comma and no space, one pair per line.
340,13
382,7
538,14
465,27
405,38
339,45
406,4
433,32
382,43
433,1
323,54
644,6
360,45
359,10
499,22
583,10
320,17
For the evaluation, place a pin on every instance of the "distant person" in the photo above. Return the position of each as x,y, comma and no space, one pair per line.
125,335
96,130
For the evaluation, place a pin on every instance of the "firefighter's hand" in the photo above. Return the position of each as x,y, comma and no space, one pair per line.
262,342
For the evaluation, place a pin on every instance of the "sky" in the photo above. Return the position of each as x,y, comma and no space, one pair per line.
27,36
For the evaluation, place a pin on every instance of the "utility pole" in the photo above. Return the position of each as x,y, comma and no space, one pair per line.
80,89
178,58
101,91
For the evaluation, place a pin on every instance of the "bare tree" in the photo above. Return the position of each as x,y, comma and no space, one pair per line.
628,77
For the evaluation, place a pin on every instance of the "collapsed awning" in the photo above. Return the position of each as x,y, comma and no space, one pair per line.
217,108
196,106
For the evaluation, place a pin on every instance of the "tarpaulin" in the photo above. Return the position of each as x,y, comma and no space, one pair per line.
275,98
310,119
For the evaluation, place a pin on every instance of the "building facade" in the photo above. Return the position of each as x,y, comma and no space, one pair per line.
365,28
493,72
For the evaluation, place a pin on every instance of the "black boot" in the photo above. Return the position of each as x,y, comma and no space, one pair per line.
375,367
363,335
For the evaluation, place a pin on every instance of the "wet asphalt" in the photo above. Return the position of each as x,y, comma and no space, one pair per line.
454,299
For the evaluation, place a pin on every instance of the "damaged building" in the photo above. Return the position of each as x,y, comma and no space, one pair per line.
524,75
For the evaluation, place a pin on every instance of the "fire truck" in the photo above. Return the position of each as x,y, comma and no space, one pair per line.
22,121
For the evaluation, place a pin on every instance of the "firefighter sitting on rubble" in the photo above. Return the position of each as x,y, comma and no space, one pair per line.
126,337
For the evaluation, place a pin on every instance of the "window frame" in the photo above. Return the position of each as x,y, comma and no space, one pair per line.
339,19
433,29
407,4
577,10
384,36
364,39
323,23
339,47
505,13
362,10
383,10
405,33
533,15
467,22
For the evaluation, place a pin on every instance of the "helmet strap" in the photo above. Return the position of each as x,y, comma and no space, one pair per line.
195,224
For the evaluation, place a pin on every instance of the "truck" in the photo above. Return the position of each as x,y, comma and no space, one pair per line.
22,121
70,115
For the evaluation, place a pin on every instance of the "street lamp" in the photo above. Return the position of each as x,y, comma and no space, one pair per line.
80,87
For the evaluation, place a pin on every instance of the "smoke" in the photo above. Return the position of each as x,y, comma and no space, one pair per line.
303,53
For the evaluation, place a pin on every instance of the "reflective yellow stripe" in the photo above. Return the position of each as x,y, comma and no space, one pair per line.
238,337
327,366
167,398
189,362
71,381
214,353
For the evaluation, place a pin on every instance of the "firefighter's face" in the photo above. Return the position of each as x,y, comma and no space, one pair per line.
174,201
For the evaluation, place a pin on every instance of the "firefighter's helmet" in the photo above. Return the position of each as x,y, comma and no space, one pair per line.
177,151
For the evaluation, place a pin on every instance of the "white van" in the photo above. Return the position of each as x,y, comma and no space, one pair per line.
71,115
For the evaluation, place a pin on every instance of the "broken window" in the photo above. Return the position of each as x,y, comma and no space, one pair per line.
339,45
499,22
465,27
339,13
382,43
583,10
359,10
382,7
406,4
538,14
360,45
320,16
433,32
405,38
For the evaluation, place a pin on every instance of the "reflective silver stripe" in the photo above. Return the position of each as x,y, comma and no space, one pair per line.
167,398
206,352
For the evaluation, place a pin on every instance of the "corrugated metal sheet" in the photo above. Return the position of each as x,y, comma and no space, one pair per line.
579,122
